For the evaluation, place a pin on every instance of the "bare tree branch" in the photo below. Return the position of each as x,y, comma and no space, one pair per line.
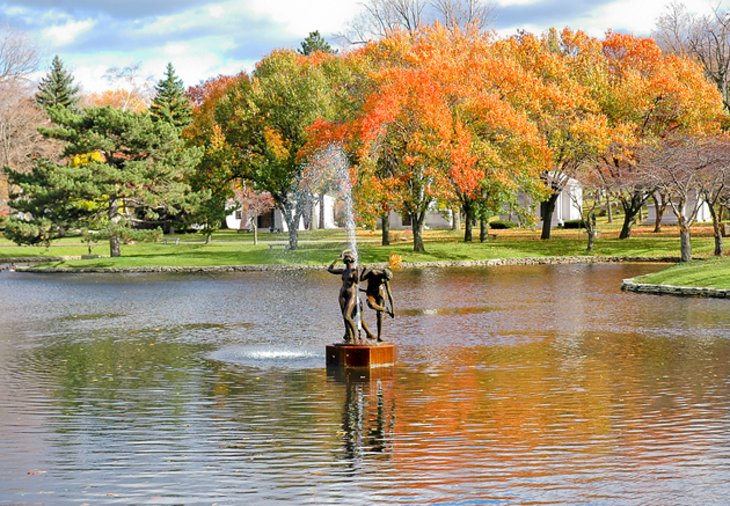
18,55
706,38
380,18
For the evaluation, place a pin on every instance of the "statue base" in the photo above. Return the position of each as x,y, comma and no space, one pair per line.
367,356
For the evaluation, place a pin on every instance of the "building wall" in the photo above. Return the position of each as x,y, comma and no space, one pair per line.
669,218
567,206
275,220
434,219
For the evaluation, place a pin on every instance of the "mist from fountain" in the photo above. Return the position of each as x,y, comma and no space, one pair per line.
332,163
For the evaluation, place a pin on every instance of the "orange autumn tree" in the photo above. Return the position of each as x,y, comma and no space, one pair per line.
495,149
397,135
554,89
123,99
408,112
432,128
648,96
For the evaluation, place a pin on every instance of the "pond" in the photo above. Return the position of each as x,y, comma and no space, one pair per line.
514,385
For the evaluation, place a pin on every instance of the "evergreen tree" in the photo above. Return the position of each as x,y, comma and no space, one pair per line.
57,87
119,165
313,43
170,104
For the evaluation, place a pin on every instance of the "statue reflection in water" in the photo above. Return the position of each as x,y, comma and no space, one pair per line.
368,415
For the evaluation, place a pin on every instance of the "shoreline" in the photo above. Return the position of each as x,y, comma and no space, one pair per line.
26,265
629,285
440,264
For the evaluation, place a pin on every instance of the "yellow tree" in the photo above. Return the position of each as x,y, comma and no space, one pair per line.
648,96
554,86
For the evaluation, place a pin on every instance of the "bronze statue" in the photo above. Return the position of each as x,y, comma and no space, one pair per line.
377,280
378,288
349,302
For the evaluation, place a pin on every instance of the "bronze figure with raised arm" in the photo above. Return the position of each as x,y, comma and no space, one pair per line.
349,301
378,294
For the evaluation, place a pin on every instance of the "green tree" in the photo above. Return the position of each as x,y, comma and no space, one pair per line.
265,124
57,87
119,165
213,178
315,42
170,103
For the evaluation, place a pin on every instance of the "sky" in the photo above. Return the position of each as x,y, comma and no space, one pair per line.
205,38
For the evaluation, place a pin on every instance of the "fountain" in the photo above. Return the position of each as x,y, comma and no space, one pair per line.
357,351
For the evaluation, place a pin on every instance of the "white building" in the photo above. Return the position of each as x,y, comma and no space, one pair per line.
669,218
435,219
274,219
567,206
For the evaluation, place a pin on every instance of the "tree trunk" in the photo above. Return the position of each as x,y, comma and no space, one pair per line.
716,229
455,218
417,221
546,211
591,237
626,227
483,228
115,243
469,221
685,244
309,215
293,238
385,229
659,208
255,226
631,209
292,217
609,208
321,212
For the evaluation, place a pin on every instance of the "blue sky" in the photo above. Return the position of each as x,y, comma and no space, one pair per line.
204,38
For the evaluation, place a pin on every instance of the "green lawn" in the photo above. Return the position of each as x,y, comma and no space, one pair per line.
713,273
320,247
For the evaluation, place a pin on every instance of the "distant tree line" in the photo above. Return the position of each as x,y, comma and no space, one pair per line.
425,108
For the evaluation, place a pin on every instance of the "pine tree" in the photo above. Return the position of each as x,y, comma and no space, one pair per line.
120,165
170,104
313,43
57,87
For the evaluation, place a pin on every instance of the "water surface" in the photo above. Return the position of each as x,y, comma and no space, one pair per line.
515,385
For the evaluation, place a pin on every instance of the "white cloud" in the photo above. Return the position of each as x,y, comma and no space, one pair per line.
216,11
62,35
638,17
635,16
505,3
299,18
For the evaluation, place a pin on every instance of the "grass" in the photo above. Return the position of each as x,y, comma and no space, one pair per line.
320,247
713,273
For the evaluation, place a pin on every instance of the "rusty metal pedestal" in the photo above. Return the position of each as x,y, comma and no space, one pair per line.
361,355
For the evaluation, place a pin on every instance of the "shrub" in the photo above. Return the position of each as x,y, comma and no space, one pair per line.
574,224
502,224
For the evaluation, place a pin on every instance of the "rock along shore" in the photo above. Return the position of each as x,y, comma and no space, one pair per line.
629,285
406,265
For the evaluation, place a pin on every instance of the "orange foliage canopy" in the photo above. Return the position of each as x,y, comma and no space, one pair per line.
434,123
125,100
